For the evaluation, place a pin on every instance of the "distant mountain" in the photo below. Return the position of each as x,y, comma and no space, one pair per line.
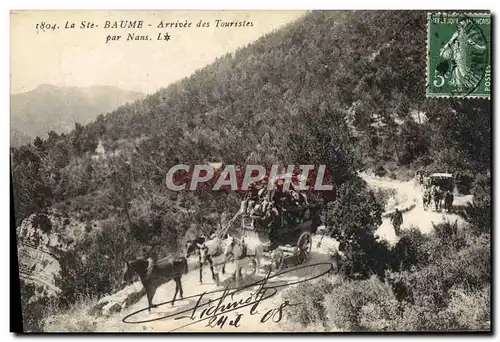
48,107
18,139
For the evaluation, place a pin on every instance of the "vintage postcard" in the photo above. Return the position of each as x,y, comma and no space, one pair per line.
251,171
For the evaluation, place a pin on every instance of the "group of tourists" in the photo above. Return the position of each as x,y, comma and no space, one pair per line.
428,192
436,188
264,203
439,195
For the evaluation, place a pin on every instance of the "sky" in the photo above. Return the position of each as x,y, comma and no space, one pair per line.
82,57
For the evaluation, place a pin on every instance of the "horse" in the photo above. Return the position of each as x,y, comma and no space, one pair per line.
206,249
437,197
277,259
162,272
448,200
426,200
241,251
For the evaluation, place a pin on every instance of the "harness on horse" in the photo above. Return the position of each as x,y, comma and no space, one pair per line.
204,247
243,251
218,251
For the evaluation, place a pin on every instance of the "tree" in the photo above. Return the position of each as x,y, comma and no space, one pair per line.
120,186
352,219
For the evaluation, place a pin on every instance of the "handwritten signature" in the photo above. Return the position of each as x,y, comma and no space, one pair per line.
215,310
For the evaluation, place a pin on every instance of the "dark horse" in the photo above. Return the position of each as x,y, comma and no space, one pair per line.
162,272
205,249
448,200
426,199
437,197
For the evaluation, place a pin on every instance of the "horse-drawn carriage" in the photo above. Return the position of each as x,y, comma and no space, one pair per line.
439,189
282,224
287,235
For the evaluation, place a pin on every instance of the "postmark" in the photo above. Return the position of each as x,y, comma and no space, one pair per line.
459,55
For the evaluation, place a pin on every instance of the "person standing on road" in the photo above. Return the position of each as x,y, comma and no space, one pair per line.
397,221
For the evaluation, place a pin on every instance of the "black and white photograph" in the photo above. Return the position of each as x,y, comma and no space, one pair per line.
251,171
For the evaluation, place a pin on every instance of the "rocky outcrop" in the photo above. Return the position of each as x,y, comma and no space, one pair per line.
114,303
42,239
39,268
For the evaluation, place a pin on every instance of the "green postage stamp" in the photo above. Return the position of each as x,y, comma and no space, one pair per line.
458,55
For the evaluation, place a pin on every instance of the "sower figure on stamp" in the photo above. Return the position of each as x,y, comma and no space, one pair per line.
397,221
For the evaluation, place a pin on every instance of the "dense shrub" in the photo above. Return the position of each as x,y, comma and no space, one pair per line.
478,213
95,265
434,286
337,304
366,256
75,319
468,265
380,315
402,173
350,307
481,190
466,310
446,231
311,297
353,218
34,307
469,310
410,251
464,182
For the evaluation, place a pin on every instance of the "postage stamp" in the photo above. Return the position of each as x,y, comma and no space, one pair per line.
458,55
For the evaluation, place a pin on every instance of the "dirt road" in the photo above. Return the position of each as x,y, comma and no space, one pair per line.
410,195
419,218
267,302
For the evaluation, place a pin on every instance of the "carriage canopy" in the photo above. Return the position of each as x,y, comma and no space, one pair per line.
443,180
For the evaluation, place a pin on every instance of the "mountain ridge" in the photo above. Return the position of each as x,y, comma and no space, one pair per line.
55,108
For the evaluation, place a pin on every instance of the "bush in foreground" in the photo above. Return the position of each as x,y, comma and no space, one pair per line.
435,286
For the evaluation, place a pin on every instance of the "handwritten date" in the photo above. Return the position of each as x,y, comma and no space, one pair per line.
220,321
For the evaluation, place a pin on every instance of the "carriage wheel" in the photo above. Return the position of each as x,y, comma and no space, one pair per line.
305,245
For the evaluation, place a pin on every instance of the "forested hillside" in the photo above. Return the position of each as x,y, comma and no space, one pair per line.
343,89
282,97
